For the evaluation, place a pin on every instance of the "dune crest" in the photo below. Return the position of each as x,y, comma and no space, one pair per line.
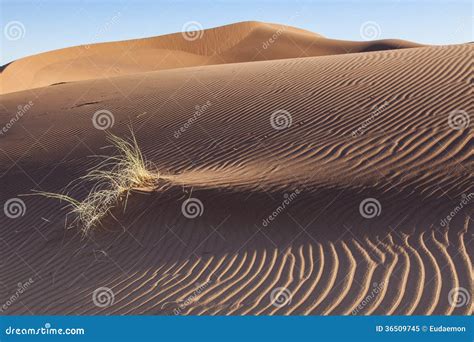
235,43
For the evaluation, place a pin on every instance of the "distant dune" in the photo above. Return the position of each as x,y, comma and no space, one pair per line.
356,158
242,42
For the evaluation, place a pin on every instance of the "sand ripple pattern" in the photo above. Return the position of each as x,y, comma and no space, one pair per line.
398,274
326,257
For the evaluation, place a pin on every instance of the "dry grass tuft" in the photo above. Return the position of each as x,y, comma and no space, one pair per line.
113,180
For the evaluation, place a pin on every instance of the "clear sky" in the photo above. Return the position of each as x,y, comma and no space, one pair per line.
30,27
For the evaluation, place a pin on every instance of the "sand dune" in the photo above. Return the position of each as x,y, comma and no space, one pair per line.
363,125
241,42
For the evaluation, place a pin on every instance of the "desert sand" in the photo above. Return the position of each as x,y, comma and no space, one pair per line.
354,121
243,42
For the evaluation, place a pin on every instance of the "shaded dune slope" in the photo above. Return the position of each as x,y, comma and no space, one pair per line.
241,42
329,257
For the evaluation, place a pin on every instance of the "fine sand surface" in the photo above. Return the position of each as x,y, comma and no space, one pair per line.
208,128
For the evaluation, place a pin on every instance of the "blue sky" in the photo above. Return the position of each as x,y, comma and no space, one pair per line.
52,24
